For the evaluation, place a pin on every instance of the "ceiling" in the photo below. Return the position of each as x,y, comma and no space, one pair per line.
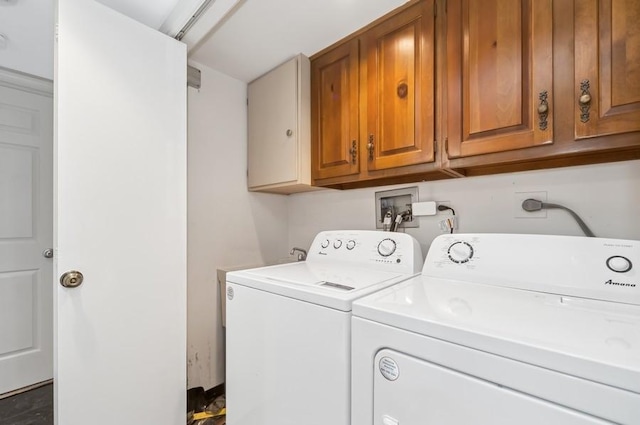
241,38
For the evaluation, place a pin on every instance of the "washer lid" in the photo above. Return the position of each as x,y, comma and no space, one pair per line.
328,284
595,340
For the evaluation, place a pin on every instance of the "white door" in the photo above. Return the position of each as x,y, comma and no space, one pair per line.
26,128
119,219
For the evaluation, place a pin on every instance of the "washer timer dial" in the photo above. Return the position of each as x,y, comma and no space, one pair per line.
386,247
460,252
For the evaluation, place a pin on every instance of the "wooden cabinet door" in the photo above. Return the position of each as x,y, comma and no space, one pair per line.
334,111
499,75
607,75
399,58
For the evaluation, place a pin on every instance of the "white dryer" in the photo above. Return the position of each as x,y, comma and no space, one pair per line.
288,331
504,329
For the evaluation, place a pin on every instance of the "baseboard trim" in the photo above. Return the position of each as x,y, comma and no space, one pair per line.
25,389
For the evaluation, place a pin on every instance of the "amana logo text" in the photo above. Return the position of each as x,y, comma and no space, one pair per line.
610,282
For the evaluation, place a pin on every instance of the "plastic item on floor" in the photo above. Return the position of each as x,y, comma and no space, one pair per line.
206,407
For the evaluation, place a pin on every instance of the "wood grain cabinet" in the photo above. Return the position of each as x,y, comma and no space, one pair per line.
334,110
398,57
278,155
373,101
564,88
499,77
454,88
607,67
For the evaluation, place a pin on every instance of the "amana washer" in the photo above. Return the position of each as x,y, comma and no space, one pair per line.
289,327
504,329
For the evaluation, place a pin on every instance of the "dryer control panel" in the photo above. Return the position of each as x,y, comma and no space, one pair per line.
391,251
598,268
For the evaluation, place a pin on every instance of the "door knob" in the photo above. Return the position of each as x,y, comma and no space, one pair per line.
48,253
71,279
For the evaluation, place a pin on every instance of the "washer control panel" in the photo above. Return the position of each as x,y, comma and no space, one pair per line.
597,268
384,250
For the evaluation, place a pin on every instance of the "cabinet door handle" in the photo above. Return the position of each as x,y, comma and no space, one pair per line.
370,147
584,101
543,110
354,151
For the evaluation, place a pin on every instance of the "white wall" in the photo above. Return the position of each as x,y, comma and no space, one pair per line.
227,226
606,196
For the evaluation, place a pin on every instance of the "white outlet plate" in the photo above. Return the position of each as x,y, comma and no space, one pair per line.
519,197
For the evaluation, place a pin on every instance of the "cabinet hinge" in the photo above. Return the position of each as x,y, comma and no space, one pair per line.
435,8
446,146
435,147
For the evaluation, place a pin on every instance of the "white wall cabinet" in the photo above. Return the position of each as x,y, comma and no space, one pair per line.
279,129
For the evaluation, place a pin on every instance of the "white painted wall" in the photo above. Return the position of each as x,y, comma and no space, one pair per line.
227,226
606,196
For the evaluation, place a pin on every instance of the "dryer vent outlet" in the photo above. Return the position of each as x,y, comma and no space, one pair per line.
391,203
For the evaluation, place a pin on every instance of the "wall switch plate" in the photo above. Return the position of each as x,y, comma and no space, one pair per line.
397,201
519,197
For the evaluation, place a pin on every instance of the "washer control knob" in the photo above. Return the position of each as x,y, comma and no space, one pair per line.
460,252
619,264
386,247
325,243
337,243
351,244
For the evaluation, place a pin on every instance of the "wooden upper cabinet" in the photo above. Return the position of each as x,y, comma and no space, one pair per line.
334,111
607,67
398,60
499,86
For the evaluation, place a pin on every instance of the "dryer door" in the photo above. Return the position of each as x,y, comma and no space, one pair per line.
411,391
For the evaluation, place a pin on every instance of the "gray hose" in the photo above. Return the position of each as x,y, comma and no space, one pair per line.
535,205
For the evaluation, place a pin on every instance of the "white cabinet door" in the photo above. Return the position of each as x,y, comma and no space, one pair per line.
26,333
279,129
120,219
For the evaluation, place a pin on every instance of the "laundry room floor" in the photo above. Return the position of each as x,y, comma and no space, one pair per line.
33,407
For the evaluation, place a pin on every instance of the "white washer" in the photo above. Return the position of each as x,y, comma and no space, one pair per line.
504,329
289,327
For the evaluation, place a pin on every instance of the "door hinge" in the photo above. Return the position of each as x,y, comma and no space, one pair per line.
194,77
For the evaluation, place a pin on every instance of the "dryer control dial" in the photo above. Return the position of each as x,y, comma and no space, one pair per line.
386,247
460,252
337,243
351,244
324,243
619,264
